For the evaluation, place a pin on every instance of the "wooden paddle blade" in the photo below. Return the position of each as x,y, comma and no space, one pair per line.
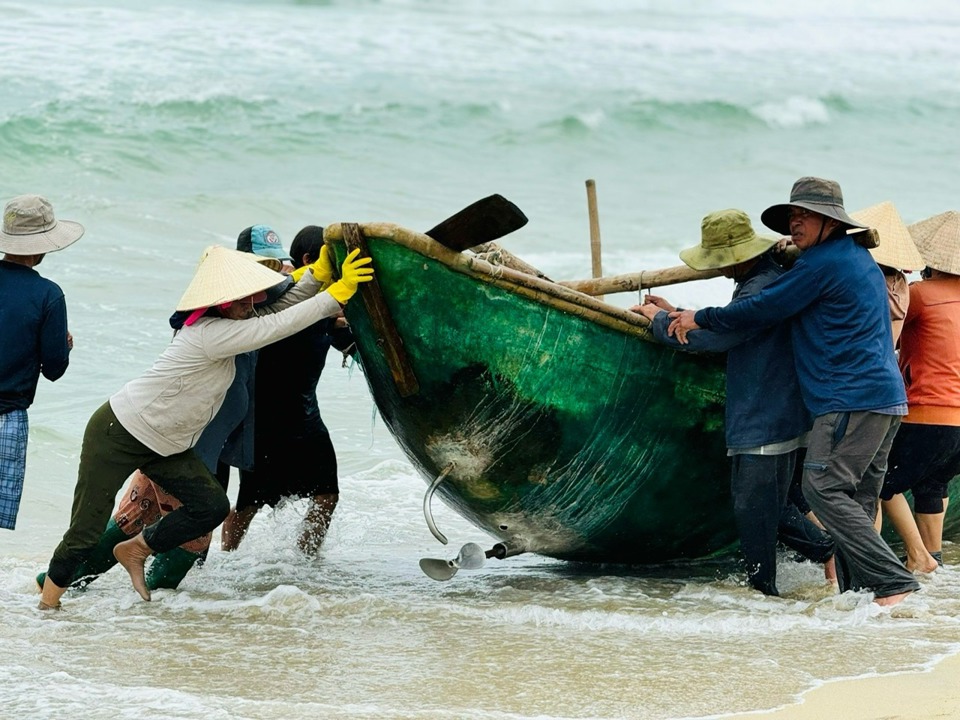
484,221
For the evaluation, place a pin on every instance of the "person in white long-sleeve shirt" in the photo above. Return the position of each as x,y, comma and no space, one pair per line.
153,422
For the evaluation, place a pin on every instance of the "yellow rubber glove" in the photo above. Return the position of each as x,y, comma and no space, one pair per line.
352,273
298,273
322,267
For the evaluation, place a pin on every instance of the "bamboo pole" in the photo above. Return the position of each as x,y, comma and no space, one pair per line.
596,264
632,282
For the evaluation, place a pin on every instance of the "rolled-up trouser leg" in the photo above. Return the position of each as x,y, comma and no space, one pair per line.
805,537
759,485
108,455
205,504
843,471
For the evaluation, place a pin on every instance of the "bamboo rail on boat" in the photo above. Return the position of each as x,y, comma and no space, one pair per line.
632,282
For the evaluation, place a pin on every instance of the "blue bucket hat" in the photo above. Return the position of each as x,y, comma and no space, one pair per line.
262,240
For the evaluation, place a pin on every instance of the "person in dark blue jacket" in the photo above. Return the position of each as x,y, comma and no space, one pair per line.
766,421
33,331
288,423
836,300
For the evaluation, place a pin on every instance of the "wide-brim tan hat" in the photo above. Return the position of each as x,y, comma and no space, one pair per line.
938,240
726,239
225,275
897,249
30,227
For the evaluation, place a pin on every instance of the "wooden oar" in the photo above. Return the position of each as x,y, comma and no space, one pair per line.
483,221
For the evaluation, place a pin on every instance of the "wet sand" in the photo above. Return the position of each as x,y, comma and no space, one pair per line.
905,696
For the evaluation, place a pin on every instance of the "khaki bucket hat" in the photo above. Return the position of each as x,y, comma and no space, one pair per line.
225,275
726,238
938,240
896,249
30,227
813,193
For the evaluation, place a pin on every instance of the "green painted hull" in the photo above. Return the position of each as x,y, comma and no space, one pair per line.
564,435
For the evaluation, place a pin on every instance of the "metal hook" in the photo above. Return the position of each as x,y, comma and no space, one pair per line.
427,512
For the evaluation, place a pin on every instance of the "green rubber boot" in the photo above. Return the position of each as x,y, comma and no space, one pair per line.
169,568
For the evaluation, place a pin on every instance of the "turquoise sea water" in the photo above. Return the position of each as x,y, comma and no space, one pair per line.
168,126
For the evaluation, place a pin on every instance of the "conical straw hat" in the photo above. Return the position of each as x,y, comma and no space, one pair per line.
938,240
896,249
224,275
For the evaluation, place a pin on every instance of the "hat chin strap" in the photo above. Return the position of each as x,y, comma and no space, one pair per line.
194,316
823,226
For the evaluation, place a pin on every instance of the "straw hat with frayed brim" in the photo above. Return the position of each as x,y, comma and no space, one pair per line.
814,194
896,249
225,275
30,227
938,240
726,239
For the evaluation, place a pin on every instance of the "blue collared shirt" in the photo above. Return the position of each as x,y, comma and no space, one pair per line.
836,299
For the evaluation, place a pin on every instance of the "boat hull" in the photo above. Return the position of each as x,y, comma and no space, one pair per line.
567,437
559,430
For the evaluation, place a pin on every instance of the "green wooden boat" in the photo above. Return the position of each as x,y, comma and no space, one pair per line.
547,418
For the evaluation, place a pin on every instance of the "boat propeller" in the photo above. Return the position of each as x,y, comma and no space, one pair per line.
470,557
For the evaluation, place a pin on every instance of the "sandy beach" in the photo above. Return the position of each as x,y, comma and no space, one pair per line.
905,696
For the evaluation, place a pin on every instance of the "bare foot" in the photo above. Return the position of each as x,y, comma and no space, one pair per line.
50,595
921,563
891,599
830,570
133,554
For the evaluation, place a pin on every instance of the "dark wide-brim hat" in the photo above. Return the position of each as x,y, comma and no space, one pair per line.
814,194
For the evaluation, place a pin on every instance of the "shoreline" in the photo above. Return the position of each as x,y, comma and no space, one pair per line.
933,693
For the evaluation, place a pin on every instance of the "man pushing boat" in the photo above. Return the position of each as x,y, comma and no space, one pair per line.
836,300
765,418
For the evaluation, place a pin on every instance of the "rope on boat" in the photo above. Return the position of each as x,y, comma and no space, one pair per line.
427,512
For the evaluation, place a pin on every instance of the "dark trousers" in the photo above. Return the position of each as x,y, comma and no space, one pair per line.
759,486
108,456
842,476
803,536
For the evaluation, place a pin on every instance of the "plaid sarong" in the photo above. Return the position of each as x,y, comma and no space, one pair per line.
13,465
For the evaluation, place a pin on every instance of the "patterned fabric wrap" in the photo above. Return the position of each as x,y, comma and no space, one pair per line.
144,503
13,465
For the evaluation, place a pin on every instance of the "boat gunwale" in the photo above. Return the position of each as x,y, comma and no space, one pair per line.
540,290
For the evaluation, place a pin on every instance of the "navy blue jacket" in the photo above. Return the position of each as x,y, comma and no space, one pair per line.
33,334
842,341
764,404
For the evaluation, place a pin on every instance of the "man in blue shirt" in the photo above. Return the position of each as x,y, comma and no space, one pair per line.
765,421
836,299
33,331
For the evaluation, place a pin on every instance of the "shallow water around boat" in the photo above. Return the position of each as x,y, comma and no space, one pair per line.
362,633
